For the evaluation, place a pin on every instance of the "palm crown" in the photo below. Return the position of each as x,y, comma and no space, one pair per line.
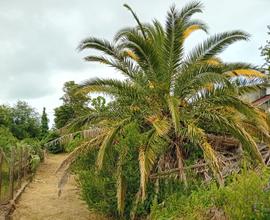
173,97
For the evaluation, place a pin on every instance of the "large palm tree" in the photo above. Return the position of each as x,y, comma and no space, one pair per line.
174,97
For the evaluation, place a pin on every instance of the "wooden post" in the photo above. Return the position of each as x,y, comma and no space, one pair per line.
1,165
11,173
25,164
20,166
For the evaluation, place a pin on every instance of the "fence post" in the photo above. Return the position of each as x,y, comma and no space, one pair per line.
25,162
1,165
11,173
20,165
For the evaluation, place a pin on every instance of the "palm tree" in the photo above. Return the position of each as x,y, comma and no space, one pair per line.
172,96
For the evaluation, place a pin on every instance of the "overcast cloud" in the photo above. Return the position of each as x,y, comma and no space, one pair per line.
38,39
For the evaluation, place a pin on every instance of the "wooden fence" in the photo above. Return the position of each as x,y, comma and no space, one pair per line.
15,168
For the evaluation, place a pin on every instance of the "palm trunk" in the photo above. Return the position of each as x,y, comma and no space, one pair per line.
179,155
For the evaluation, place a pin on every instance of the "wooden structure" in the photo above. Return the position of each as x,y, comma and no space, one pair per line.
15,168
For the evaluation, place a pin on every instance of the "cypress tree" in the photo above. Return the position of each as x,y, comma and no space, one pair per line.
44,123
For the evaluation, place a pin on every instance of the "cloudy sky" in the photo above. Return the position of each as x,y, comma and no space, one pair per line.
38,39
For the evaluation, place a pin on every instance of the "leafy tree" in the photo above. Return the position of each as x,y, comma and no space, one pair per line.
5,116
74,105
44,123
25,121
265,51
173,98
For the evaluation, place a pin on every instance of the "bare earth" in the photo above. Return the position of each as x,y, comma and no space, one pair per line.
41,202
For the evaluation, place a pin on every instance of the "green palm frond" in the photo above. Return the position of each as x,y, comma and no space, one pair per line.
190,9
101,45
111,87
215,45
137,20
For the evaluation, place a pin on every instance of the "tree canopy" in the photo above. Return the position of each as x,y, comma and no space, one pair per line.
74,105
265,51
44,123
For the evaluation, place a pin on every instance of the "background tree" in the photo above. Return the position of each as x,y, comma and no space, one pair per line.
74,105
5,116
265,51
25,121
44,123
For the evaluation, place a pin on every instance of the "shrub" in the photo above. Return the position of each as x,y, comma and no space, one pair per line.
6,138
98,189
34,146
246,196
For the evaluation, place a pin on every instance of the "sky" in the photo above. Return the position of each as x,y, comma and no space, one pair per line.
39,39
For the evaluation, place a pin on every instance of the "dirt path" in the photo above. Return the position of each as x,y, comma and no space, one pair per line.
40,200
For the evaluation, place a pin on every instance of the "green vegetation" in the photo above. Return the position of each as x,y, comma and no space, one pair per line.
163,114
44,123
20,126
74,105
245,196
155,149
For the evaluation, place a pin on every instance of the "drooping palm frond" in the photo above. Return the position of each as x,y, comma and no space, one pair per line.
192,26
113,88
198,136
173,104
121,189
161,125
108,141
143,173
79,150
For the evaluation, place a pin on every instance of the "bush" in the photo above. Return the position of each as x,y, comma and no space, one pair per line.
98,189
6,138
246,196
53,148
35,147
35,161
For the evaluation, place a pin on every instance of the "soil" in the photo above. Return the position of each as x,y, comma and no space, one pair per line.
40,199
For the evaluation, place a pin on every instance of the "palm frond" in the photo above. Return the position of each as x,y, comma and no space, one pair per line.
215,45
173,104
194,26
137,20
108,141
121,190
143,173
